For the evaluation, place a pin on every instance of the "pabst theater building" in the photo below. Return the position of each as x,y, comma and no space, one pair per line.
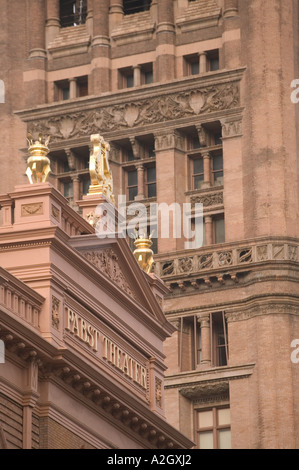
82,325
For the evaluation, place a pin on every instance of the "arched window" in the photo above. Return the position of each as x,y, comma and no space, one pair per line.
72,12
135,6
2,92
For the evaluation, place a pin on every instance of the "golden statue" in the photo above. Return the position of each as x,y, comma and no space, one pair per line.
38,164
143,253
100,173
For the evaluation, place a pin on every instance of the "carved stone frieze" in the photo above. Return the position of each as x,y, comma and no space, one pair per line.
139,112
210,199
158,392
269,308
205,390
32,209
55,312
108,263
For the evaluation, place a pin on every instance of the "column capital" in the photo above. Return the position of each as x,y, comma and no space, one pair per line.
139,166
204,320
231,127
169,139
205,154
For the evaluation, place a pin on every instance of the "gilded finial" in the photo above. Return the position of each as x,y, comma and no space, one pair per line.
143,253
38,164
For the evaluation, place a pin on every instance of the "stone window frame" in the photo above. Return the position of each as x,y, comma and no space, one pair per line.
200,353
215,428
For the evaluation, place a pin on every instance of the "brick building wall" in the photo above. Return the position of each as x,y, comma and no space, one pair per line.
55,436
189,111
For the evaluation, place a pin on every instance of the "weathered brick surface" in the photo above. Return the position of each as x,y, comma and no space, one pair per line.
55,436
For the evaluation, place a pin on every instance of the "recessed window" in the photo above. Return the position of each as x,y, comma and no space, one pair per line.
147,76
82,86
71,88
219,229
62,90
218,327
198,173
132,184
193,350
68,190
135,6
191,64
217,170
195,142
151,182
126,78
72,12
85,185
213,428
213,60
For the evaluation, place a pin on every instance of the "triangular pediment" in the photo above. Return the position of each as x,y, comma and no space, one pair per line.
107,261
114,259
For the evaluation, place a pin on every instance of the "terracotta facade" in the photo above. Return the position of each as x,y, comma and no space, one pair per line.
83,330
194,98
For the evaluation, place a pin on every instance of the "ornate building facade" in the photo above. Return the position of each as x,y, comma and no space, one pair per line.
194,99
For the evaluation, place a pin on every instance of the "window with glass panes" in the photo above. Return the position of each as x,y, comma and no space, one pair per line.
190,341
197,175
213,60
217,170
213,428
132,184
219,229
72,12
151,181
219,343
68,190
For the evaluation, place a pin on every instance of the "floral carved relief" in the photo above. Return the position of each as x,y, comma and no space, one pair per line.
140,112
108,263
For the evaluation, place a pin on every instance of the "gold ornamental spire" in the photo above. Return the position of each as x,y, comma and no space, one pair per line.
144,255
38,164
100,173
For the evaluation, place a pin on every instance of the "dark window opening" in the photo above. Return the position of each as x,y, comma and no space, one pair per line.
72,12
68,190
132,186
198,173
82,86
219,339
213,60
135,6
147,76
151,182
217,170
85,185
191,64
191,347
126,78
